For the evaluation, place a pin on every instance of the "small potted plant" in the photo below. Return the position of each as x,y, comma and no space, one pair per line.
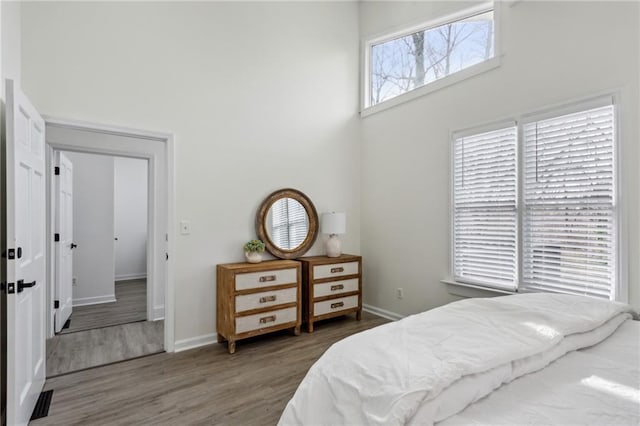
253,251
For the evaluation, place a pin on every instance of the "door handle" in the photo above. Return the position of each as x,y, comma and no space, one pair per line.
22,285
73,245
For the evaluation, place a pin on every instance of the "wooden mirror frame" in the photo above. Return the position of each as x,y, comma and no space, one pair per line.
261,216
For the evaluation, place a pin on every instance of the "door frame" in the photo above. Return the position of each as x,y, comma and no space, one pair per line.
166,185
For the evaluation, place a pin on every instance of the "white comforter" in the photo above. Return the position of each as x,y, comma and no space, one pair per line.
442,360
598,385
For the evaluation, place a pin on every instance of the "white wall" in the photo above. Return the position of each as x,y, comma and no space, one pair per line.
260,96
93,228
130,204
553,52
11,42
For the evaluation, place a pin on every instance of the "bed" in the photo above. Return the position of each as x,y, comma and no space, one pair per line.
533,358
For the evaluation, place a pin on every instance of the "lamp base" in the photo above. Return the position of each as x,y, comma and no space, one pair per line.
333,246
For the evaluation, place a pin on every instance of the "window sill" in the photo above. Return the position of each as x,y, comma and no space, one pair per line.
472,290
433,86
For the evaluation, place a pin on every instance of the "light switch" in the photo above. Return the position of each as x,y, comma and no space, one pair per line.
185,227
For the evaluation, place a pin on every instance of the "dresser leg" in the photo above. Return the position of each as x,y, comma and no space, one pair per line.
221,338
231,346
296,330
310,327
359,315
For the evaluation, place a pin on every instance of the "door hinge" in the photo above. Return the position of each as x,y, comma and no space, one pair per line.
56,171
167,255
56,237
56,304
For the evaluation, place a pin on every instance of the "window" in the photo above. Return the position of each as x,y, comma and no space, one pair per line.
289,223
565,213
485,214
569,204
406,61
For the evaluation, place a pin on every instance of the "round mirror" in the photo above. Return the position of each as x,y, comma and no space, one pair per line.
287,222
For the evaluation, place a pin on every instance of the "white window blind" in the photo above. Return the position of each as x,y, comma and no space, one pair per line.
569,229
290,223
485,213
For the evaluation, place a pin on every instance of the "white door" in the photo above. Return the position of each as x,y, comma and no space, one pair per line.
26,292
64,234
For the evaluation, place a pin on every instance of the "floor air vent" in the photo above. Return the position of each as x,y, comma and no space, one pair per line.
42,406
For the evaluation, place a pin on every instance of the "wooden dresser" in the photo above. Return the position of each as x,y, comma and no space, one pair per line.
331,286
257,298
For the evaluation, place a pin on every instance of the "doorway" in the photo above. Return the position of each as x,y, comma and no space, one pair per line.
100,210
138,294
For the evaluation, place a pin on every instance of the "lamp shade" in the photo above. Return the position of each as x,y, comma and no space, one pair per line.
333,223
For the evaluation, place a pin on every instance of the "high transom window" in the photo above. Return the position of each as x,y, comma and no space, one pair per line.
402,62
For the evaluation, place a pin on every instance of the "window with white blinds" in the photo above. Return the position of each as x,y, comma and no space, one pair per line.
546,221
485,214
569,226
289,223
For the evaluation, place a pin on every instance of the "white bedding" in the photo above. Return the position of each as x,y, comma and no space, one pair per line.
432,365
599,385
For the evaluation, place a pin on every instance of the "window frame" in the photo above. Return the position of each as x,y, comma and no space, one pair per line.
366,109
619,291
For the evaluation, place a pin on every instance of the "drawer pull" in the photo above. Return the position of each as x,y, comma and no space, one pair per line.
336,270
266,299
265,320
267,278
337,305
337,287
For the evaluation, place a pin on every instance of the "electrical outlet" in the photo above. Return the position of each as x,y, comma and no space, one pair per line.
399,293
74,281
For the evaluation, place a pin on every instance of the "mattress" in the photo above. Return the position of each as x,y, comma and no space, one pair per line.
599,385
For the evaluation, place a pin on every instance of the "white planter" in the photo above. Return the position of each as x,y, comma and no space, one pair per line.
253,256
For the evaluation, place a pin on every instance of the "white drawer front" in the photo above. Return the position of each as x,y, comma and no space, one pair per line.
334,305
265,299
335,287
266,278
265,320
335,270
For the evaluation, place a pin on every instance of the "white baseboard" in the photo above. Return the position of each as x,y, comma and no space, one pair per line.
94,300
382,312
195,342
158,313
126,277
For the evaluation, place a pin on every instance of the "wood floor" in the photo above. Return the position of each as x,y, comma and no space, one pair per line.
130,306
91,348
203,386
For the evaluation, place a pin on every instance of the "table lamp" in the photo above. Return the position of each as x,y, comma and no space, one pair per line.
333,224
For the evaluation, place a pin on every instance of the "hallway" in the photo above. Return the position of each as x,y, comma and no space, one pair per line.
107,332
130,306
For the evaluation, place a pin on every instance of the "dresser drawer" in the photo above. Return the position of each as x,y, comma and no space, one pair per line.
335,305
335,270
265,320
335,287
265,299
266,278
